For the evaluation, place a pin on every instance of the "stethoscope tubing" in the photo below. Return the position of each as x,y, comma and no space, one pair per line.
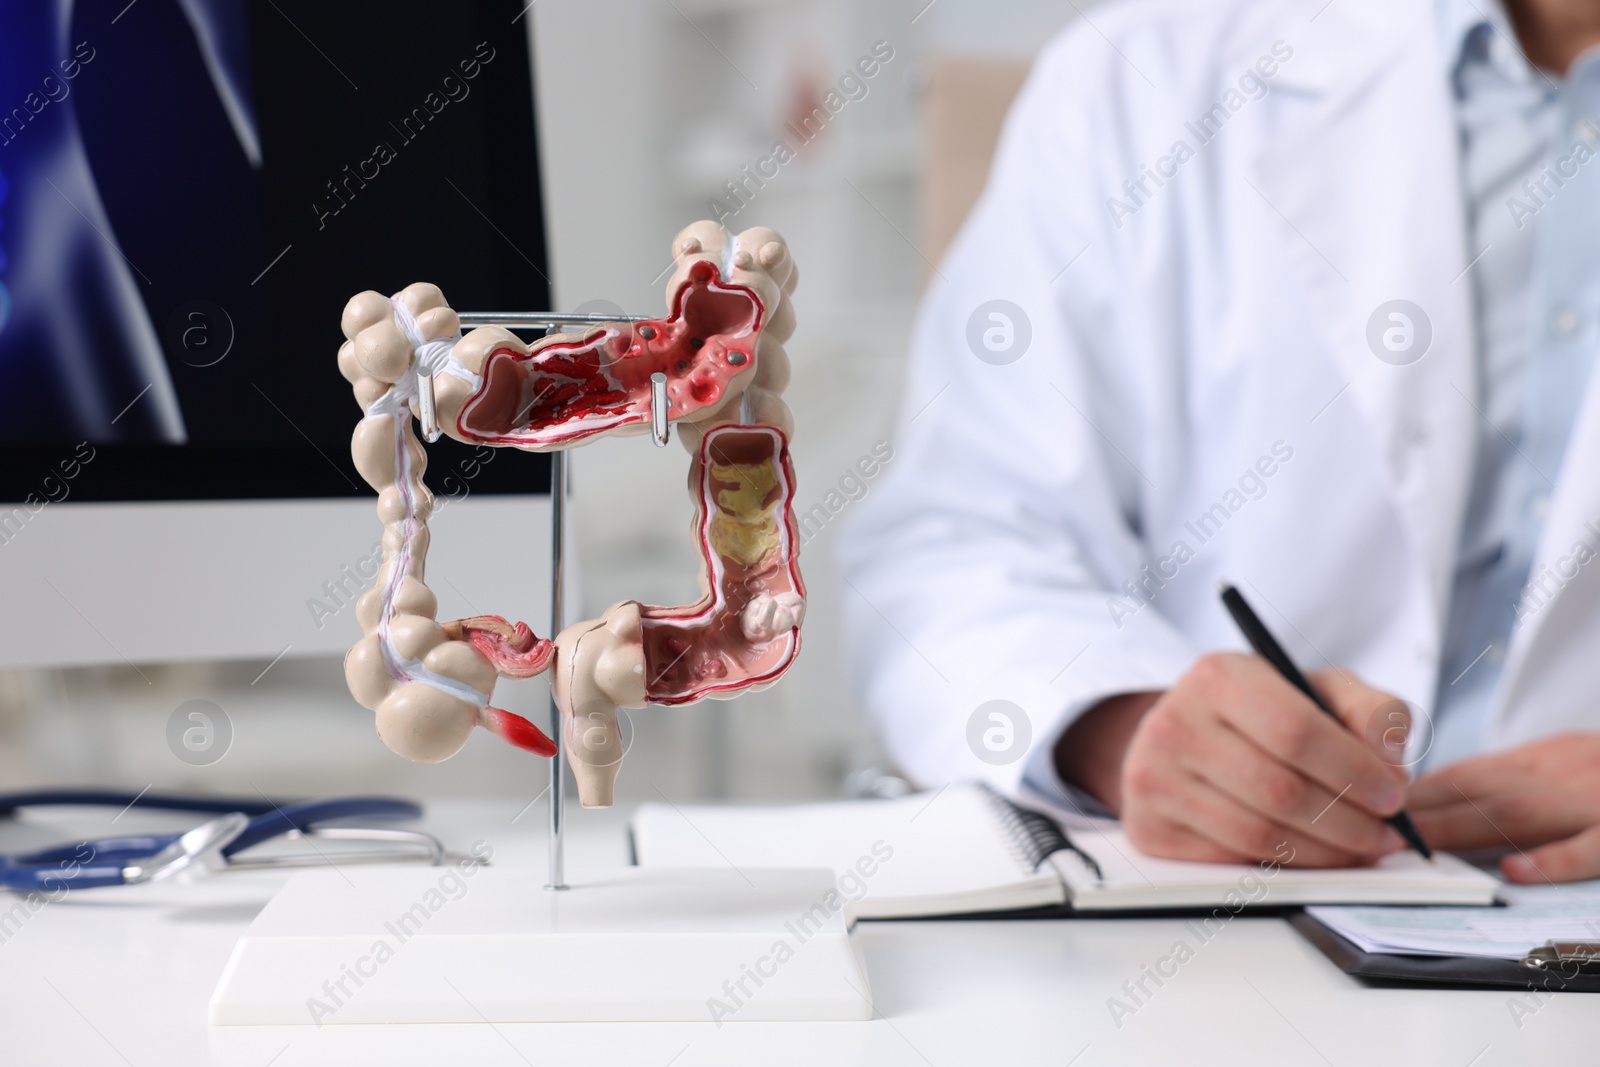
89,864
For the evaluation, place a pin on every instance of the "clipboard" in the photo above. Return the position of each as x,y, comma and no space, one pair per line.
1556,968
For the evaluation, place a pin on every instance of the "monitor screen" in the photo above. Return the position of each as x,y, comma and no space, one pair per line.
190,191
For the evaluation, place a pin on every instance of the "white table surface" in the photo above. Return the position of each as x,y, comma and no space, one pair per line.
122,977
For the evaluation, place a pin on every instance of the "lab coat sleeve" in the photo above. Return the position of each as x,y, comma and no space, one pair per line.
989,562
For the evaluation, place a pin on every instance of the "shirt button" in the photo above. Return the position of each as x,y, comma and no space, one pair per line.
1565,321
1540,506
1588,133
1496,655
1422,652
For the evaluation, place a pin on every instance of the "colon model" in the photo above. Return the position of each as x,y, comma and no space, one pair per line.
721,347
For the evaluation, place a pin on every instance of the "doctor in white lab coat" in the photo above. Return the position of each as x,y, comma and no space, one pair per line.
1299,296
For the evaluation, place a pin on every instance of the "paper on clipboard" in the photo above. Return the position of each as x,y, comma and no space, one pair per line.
1532,916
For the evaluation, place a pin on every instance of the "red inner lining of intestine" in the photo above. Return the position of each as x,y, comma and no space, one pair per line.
691,652
571,390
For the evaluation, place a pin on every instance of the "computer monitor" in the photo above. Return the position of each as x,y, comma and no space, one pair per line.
190,190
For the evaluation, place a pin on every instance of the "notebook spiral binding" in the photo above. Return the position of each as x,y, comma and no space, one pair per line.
1034,835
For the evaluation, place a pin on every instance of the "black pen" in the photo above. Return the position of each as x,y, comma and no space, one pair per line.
1255,631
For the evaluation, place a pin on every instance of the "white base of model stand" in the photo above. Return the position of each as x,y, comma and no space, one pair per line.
429,945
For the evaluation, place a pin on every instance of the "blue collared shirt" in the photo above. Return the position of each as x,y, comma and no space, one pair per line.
1530,175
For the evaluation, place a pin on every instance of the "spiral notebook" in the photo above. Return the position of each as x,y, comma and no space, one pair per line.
966,850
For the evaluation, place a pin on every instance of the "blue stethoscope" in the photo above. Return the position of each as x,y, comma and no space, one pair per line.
212,846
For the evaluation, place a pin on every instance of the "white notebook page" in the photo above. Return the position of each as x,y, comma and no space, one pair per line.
1134,879
929,847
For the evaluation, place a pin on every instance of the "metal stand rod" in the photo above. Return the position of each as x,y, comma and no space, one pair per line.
539,320
558,795
660,432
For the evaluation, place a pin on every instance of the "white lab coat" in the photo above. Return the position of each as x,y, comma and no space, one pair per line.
1226,317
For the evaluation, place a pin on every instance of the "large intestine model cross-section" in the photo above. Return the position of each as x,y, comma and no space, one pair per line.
720,347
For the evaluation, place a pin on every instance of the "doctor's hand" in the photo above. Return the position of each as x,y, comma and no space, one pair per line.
1233,764
1543,798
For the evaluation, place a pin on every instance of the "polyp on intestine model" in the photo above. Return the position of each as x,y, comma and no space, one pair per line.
721,349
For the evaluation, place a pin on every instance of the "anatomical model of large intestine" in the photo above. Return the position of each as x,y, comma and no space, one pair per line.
721,349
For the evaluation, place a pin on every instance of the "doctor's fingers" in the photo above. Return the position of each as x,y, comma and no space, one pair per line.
1454,786
1356,703
1237,768
1524,818
1277,718
1570,761
1574,859
1199,822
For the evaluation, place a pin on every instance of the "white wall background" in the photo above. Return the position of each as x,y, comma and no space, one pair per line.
647,107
